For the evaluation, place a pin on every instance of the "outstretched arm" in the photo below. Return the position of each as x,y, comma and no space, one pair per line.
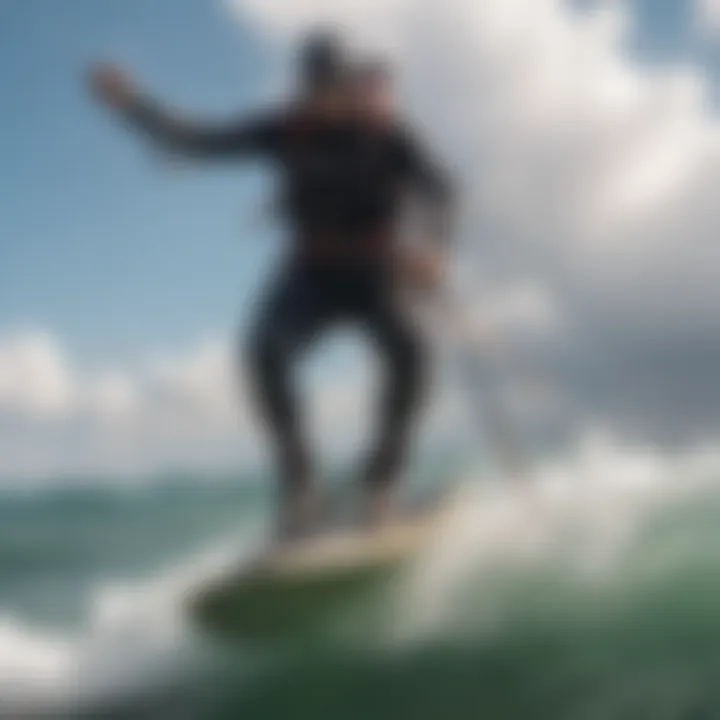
114,89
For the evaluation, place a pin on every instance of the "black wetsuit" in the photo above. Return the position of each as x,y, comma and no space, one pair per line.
342,186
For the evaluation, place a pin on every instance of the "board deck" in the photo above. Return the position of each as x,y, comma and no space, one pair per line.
289,590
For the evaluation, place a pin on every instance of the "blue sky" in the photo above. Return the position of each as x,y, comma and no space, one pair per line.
99,241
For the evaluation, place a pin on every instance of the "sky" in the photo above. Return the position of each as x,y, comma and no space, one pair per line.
586,139
95,247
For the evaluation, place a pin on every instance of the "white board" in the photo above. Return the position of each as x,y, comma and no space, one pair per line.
290,589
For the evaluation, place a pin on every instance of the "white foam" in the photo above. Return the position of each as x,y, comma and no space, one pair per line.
133,632
580,514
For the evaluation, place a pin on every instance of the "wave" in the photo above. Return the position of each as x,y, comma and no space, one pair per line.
588,593
73,531
134,634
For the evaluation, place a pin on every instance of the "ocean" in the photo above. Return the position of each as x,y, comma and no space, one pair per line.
590,591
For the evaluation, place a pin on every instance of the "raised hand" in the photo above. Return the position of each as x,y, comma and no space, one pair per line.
422,268
111,85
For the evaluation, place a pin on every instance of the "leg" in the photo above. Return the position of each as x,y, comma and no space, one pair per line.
401,343
291,315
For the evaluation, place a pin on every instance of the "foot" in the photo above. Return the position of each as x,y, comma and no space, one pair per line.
380,482
299,515
379,506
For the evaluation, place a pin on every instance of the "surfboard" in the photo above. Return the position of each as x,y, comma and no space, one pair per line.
295,588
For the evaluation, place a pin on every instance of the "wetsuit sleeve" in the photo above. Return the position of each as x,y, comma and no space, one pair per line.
430,180
259,135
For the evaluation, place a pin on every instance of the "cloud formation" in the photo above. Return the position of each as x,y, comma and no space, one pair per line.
58,417
190,409
585,174
707,13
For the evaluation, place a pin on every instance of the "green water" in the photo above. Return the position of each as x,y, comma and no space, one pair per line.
593,626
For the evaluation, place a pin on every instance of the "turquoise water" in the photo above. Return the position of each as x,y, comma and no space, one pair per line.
584,600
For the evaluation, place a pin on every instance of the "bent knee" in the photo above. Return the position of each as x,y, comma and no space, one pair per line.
409,354
265,349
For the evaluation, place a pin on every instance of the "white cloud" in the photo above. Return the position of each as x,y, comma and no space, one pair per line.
519,311
571,153
584,173
204,382
113,396
61,418
34,376
190,409
708,16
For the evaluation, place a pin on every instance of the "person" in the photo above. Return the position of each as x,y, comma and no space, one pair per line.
342,183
